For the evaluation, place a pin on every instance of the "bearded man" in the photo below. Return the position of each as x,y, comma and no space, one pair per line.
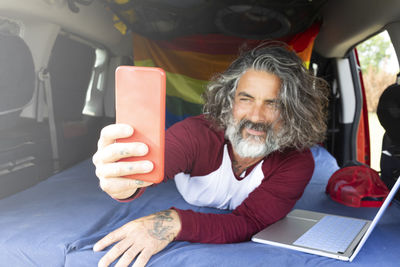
249,153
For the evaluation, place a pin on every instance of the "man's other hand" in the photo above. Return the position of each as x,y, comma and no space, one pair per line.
109,171
140,239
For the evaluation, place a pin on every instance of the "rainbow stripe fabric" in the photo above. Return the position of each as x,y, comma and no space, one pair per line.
190,62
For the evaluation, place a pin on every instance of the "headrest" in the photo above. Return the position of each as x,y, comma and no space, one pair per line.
357,186
389,112
17,73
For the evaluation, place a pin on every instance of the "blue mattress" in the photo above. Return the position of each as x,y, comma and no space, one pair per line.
56,223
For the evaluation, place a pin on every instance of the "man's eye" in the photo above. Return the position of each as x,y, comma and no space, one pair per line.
244,99
272,105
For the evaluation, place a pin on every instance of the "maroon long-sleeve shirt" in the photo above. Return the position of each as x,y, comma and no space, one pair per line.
198,157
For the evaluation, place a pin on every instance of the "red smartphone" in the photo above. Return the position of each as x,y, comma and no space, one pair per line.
140,102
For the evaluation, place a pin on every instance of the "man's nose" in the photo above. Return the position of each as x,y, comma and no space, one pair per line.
257,113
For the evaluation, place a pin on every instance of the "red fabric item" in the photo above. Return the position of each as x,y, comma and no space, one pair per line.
357,186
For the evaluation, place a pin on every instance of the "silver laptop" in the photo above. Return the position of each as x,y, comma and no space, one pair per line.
323,234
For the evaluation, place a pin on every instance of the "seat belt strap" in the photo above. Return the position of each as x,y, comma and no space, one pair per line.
45,85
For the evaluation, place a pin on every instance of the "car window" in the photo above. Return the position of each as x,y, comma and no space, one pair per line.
379,65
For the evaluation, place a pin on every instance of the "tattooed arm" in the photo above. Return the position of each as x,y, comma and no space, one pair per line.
140,239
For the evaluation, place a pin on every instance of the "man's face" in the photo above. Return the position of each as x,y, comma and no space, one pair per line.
255,114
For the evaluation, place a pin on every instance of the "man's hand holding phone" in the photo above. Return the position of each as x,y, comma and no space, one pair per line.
110,170
130,155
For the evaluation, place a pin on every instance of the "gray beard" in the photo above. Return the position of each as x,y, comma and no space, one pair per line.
252,146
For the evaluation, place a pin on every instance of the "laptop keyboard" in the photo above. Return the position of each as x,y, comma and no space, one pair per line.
331,233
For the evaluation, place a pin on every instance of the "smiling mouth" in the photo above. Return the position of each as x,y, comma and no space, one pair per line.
254,132
251,130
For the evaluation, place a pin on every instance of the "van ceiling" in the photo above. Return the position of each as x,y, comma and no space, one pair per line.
344,22
261,19
348,22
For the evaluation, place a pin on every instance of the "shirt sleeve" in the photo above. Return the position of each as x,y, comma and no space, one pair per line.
271,201
180,149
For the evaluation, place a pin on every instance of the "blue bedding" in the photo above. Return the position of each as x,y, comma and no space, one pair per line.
56,223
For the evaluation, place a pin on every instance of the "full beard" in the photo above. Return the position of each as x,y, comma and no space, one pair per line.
252,146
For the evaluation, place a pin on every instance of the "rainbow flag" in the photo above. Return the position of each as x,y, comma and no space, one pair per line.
191,61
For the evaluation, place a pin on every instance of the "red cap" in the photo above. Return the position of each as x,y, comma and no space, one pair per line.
357,186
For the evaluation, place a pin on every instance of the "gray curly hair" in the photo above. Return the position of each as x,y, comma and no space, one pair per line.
302,97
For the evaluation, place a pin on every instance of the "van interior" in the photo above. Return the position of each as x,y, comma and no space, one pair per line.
57,66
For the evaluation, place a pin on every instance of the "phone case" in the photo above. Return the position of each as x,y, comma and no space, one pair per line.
140,102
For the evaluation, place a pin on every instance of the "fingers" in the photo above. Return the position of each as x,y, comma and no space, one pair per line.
116,151
143,258
112,132
128,252
136,240
109,239
121,188
129,255
114,253
125,247
109,151
120,169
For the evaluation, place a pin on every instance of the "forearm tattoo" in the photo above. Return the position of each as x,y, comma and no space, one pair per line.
161,230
